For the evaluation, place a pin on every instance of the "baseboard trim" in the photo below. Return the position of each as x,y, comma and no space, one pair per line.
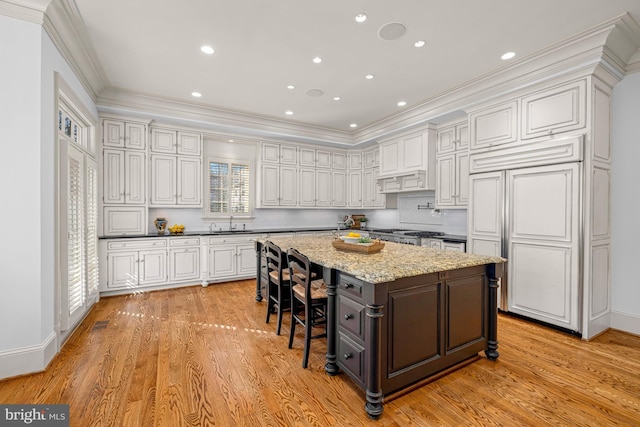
625,322
28,360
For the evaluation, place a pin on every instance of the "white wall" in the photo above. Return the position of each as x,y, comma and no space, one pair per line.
625,204
27,172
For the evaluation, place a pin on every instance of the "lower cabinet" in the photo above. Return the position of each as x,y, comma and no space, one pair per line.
184,259
444,245
135,263
231,258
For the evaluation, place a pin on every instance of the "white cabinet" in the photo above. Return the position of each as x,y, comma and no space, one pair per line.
355,188
408,162
170,141
442,245
451,138
312,157
371,158
555,110
371,195
124,220
184,259
338,159
123,134
176,180
123,177
355,160
231,257
135,263
452,175
278,185
493,126
315,187
279,153
339,188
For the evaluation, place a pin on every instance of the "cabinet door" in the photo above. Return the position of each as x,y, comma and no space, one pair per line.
486,208
163,141
462,179
462,137
355,160
413,152
113,188
270,153
288,186
451,246
323,159
338,188
135,177
124,220
389,158
307,157
355,189
494,126
163,180
153,267
135,136
435,243
380,200
368,188
122,270
222,261
269,185
189,143
371,158
307,196
246,255
323,187
113,133
189,181
446,140
184,264
339,160
446,180
560,109
288,154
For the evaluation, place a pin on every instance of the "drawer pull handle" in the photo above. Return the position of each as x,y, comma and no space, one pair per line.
348,285
348,355
348,316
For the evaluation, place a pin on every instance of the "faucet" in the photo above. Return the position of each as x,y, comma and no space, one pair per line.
211,227
231,227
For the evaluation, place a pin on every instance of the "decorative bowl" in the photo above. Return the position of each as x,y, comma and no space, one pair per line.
351,240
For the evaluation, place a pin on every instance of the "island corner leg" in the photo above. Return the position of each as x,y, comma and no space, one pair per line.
494,271
330,279
373,392
259,249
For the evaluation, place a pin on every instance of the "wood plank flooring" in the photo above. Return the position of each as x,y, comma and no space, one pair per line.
204,357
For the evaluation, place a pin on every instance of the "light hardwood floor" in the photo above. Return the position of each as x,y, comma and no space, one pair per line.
204,356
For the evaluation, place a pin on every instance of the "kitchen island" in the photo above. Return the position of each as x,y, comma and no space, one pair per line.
404,314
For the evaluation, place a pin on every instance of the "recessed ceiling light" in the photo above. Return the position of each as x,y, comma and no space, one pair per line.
231,140
419,43
196,94
317,60
207,49
336,98
353,125
291,87
402,103
508,55
361,17
289,113
369,76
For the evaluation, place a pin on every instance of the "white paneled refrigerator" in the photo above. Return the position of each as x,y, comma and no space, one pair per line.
525,206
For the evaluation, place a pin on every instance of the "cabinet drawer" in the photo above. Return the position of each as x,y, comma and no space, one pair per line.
351,357
350,286
232,240
195,241
137,244
351,316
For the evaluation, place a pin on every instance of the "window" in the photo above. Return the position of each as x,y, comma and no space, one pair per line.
229,188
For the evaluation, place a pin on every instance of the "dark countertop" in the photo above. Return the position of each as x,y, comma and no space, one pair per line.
218,233
452,238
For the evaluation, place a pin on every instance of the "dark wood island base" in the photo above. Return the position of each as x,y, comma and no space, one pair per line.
391,335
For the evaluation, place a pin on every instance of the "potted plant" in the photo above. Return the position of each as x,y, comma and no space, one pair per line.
363,222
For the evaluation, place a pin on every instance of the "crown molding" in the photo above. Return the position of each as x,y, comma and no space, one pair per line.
25,10
64,25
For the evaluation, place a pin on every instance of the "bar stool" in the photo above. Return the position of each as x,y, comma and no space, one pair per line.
308,301
278,286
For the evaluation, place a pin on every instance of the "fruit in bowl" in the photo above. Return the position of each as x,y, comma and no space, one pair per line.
176,229
351,237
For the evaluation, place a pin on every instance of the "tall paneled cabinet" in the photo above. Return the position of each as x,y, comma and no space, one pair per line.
539,195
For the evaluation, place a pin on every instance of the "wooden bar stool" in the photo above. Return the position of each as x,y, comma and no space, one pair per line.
308,301
278,286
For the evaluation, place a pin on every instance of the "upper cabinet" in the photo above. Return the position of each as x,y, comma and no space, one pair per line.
451,138
559,109
122,134
169,141
312,157
408,162
452,166
495,125
279,153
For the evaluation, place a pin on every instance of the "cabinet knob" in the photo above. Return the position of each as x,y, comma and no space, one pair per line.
348,316
348,356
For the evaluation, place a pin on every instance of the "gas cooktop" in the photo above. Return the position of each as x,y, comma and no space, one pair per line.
414,233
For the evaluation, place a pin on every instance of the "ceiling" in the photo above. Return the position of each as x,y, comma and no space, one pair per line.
152,47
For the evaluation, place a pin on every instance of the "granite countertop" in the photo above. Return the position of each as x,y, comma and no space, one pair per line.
395,261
